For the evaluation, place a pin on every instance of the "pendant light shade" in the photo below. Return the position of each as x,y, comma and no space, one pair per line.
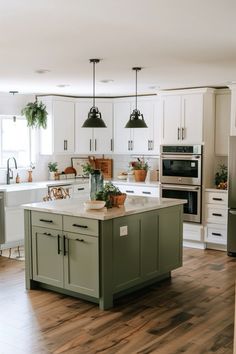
136,119
94,119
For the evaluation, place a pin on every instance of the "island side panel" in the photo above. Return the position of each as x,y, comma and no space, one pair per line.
170,238
105,264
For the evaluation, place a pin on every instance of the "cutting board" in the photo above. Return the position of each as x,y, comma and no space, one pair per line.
106,166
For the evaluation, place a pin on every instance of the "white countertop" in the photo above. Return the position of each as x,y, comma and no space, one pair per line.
75,207
216,190
44,184
133,183
37,185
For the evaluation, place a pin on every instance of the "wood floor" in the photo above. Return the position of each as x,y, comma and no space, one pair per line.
191,313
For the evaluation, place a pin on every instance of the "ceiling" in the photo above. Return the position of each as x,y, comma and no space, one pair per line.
184,43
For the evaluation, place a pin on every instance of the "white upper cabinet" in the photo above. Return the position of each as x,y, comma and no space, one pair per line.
93,140
170,113
136,140
181,118
223,102
187,116
59,135
122,135
192,119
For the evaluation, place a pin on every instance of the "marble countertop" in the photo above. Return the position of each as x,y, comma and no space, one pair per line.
75,207
44,184
14,187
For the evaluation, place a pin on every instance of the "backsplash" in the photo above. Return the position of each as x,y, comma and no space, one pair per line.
40,173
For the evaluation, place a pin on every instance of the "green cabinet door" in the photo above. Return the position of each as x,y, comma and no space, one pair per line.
126,250
150,262
81,264
170,233
47,256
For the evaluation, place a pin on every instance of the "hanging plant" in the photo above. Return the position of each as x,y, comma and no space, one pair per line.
35,114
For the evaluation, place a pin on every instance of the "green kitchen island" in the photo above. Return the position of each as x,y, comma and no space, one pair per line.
100,255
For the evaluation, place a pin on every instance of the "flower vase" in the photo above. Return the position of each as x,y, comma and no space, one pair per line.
140,175
95,183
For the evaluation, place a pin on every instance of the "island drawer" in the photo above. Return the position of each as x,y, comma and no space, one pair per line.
80,225
48,220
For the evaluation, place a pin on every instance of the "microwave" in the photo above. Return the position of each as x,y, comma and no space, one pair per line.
179,165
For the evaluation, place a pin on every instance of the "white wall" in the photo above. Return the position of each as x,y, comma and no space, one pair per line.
13,104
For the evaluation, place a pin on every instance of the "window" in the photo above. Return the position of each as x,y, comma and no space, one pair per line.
14,141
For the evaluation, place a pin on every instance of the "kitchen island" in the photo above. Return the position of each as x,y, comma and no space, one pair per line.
102,255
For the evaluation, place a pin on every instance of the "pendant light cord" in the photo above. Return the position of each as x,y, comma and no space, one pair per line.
94,84
136,90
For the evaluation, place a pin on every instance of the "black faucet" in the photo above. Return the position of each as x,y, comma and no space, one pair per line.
9,171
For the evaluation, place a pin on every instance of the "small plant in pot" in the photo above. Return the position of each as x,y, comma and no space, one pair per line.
221,177
140,168
35,114
111,195
52,167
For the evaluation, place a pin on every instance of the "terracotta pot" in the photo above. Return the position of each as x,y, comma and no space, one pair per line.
140,175
118,199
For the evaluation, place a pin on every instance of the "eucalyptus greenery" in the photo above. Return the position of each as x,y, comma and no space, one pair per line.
35,114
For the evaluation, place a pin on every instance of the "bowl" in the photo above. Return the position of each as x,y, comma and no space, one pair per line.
122,177
94,204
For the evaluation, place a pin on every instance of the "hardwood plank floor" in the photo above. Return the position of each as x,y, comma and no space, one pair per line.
192,313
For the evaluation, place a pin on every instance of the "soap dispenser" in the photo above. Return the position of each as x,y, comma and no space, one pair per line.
17,178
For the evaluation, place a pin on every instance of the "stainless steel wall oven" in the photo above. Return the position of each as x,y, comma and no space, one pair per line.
181,177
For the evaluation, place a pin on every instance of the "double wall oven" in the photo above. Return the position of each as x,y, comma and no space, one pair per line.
181,177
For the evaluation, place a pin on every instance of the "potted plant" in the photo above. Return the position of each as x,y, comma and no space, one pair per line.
35,114
111,195
221,177
140,168
52,167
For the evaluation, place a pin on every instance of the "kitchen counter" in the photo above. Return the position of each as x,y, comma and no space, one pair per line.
216,190
133,183
75,207
102,255
37,185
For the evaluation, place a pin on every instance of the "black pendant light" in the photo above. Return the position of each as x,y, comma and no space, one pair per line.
94,119
136,119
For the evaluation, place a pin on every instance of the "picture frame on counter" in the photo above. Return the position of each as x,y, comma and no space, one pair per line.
77,163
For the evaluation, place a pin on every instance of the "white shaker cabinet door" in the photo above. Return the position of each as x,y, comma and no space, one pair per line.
93,140
63,130
170,112
144,137
83,136
14,224
123,141
192,116
103,137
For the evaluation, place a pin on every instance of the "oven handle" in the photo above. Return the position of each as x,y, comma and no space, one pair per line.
171,187
181,157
